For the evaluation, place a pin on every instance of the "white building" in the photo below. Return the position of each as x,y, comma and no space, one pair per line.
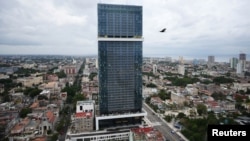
181,69
241,86
85,106
83,119
86,70
96,63
239,68
233,62
154,68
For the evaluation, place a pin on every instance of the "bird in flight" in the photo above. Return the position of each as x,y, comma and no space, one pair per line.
163,30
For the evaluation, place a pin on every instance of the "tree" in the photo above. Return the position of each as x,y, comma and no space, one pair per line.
54,137
181,115
201,109
41,97
222,79
147,100
92,75
164,95
168,118
49,131
23,113
25,71
218,96
151,85
78,97
248,91
32,92
61,74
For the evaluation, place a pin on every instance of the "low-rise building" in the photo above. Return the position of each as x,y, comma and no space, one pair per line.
145,134
30,81
156,101
83,119
178,98
241,86
20,126
52,77
53,87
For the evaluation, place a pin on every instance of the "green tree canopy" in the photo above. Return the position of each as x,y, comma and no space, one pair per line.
41,97
201,109
92,75
61,74
164,95
25,71
218,96
222,79
32,92
78,97
23,113
151,85
181,115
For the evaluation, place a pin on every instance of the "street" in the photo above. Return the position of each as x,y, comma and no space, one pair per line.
160,125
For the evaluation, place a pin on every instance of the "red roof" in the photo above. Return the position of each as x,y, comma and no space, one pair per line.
240,96
142,130
50,115
212,103
83,114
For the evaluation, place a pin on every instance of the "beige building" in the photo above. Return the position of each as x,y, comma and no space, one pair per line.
241,86
83,119
70,70
51,86
191,89
181,69
30,81
178,98
228,106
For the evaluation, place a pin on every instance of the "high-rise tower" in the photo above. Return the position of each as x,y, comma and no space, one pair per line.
120,59
210,60
241,66
242,56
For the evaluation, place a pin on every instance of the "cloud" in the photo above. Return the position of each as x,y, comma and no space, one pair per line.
70,27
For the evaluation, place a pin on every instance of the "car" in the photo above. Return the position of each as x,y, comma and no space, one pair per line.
172,131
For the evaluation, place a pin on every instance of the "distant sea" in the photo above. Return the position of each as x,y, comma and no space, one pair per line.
217,58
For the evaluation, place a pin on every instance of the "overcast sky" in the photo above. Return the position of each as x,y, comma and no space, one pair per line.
69,27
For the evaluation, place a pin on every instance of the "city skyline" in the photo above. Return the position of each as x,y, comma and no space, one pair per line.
69,28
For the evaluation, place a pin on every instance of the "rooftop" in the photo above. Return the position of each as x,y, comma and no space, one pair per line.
142,130
83,114
50,115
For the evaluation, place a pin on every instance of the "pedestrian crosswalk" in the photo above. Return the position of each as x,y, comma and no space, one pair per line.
156,123
148,122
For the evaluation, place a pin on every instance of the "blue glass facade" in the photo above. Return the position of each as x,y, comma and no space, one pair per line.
119,21
120,61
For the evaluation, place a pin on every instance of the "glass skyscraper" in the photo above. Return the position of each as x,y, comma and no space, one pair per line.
120,58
